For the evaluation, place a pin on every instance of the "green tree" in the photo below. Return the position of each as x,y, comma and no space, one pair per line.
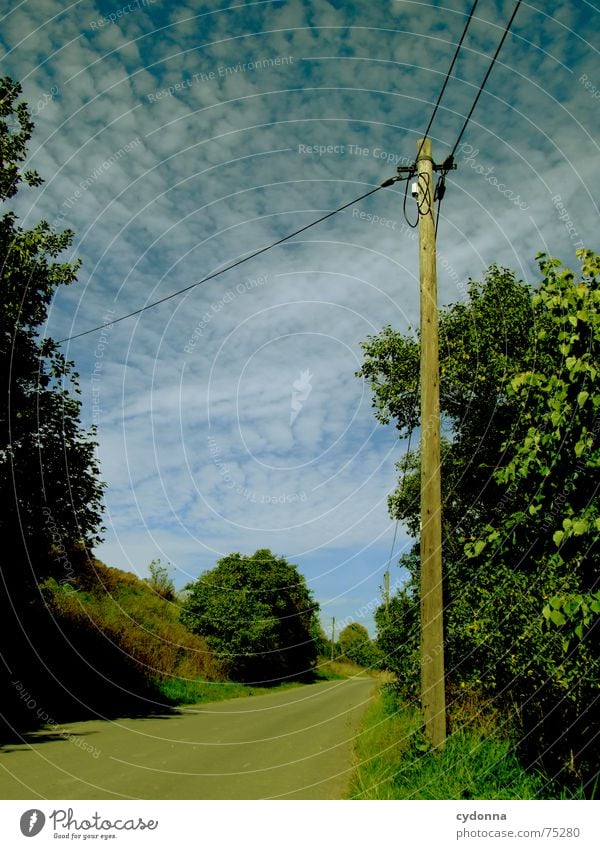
322,641
160,580
483,338
540,554
398,636
49,486
258,616
357,646
50,493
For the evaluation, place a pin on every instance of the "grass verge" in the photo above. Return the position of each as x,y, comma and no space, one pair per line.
179,692
182,692
337,670
393,761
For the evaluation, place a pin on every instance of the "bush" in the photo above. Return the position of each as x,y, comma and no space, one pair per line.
257,616
357,646
160,580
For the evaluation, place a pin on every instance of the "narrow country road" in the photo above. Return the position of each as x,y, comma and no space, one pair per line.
296,744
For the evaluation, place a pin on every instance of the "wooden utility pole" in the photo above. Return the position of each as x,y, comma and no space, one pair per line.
332,635
432,607
387,590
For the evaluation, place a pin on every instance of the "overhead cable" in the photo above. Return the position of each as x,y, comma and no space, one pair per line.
227,267
485,79
449,72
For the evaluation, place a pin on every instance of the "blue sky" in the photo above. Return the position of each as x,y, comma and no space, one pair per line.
174,140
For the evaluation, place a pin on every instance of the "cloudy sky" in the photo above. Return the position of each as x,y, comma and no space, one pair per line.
176,138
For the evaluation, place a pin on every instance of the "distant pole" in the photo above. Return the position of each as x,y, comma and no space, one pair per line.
387,590
432,606
332,635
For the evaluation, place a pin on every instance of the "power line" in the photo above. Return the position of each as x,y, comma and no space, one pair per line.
412,169
485,79
450,69
449,162
410,223
438,194
440,188
228,267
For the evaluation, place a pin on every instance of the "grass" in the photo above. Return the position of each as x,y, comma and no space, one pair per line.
393,761
136,621
336,670
181,692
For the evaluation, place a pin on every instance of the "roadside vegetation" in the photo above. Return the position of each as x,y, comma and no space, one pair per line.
124,649
258,617
521,519
133,622
337,669
479,761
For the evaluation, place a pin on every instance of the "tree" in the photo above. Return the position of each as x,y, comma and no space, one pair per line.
50,492
356,645
322,641
483,338
49,487
258,616
160,580
398,635
541,550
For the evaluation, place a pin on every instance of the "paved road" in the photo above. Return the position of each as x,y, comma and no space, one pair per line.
295,744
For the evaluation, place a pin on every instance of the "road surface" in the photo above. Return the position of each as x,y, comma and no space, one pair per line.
295,744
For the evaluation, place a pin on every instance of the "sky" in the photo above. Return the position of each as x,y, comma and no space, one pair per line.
175,139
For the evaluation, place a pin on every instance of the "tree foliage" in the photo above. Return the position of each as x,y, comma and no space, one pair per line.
398,630
160,580
258,616
50,492
483,339
539,554
357,646
520,517
49,486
